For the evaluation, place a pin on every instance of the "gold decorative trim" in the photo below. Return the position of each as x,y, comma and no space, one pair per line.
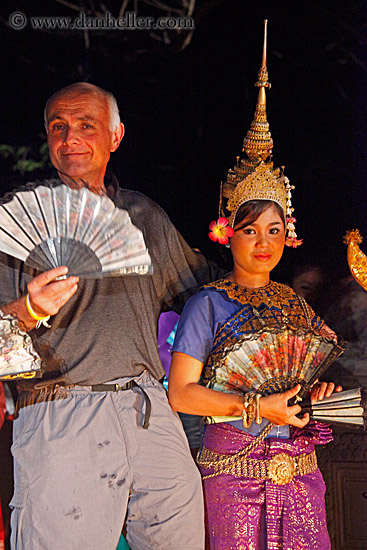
280,469
271,294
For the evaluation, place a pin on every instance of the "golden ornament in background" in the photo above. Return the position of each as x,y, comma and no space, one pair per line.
357,260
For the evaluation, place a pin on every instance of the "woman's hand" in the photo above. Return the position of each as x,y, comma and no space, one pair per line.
323,389
275,408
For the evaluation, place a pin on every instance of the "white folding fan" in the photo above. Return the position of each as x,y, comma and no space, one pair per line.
346,407
50,225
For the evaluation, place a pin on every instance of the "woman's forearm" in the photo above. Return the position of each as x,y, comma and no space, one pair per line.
186,395
192,398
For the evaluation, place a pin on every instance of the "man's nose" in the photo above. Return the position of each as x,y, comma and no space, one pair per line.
70,136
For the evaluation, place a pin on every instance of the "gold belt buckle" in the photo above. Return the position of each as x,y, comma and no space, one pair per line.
282,469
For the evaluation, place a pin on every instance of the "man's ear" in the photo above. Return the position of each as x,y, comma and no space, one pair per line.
117,136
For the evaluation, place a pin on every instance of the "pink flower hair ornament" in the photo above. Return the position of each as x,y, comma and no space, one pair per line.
293,242
220,231
291,239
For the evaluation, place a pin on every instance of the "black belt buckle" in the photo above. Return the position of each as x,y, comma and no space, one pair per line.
128,386
114,387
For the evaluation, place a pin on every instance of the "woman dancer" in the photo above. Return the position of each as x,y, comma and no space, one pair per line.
262,487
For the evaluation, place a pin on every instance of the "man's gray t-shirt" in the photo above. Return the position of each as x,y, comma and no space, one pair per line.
108,329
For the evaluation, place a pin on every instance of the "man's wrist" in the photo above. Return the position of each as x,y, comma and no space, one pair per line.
41,319
19,310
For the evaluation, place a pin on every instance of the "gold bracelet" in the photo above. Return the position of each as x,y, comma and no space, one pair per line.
251,408
258,418
244,412
40,320
248,413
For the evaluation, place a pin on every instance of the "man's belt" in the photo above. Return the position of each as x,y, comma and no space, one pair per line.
280,469
128,386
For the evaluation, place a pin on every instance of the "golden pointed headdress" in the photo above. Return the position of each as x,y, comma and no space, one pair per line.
254,177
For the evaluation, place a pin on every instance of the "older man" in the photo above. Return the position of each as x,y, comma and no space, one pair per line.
88,451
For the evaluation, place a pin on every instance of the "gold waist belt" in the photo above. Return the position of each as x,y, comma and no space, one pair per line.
280,469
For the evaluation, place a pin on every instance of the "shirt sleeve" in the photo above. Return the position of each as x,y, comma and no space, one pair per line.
178,270
187,270
196,332
202,316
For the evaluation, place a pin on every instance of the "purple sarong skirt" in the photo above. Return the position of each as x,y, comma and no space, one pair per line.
249,514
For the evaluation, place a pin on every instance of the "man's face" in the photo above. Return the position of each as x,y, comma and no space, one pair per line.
79,136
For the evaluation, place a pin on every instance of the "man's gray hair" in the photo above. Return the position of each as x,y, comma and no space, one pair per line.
86,88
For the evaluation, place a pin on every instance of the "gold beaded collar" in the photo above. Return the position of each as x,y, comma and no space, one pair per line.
272,294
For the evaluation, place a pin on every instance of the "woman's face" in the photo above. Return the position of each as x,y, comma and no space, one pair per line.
257,248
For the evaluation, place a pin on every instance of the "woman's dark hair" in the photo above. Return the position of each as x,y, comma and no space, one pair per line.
251,210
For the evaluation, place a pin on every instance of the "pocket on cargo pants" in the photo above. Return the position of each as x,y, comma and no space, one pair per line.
18,506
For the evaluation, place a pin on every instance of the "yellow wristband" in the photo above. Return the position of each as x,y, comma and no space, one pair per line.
33,314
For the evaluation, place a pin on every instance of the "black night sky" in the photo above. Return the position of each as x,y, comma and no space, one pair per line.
186,111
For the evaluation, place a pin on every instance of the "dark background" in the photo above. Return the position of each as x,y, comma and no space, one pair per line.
186,111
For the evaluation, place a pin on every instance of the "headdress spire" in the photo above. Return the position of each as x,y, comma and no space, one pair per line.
258,143
254,177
